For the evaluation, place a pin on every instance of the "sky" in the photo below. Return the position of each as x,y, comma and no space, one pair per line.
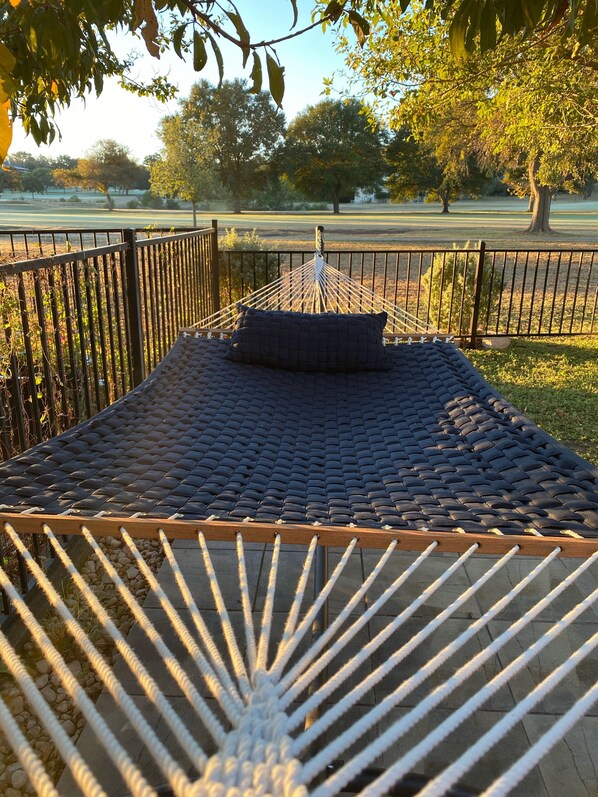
132,120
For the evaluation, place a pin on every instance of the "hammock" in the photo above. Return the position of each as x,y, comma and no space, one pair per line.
425,462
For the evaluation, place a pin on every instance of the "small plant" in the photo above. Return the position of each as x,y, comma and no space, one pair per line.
449,288
241,274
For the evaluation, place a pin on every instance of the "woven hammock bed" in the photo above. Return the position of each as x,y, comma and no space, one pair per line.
325,613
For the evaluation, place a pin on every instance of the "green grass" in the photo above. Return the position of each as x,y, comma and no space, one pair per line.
555,382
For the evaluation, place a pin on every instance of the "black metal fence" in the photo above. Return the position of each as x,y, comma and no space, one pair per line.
43,243
466,293
79,329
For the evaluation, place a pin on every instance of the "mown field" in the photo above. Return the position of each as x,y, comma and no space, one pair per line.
498,221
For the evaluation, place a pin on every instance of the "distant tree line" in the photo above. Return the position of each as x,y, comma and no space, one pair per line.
230,144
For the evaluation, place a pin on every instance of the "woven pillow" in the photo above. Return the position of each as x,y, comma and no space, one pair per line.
309,341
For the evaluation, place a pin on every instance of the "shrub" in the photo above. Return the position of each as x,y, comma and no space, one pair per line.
151,200
133,204
171,204
73,198
242,274
450,283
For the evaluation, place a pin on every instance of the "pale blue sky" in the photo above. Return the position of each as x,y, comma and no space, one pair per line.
132,120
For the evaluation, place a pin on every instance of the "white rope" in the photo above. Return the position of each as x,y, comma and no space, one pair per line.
318,287
352,664
318,644
227,628
246,604
515,774
496,733
170,662
217,679
291,622
287,648
137,668
406,762
29,759
410,684
173,772
128,771
264,640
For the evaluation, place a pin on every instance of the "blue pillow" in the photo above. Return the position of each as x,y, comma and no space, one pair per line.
309,341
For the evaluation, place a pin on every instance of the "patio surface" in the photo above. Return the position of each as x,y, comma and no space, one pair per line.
570,769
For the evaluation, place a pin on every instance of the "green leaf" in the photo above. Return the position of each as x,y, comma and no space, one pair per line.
177,40
295,13
276,79
218,55
240,28
200,56
256,75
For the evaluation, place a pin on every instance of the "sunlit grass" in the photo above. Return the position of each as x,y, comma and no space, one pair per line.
553,381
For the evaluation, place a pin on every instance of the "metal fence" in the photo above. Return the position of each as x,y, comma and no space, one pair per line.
79,329
43,243
467,293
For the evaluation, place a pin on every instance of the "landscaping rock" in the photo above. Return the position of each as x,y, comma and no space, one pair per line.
499,343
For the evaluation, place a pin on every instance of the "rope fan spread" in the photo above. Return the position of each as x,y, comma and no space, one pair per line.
316,287
376,583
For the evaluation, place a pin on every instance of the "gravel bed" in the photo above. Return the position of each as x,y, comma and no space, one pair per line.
13,780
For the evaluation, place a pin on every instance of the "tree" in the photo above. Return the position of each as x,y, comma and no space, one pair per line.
243,131
107,165
415,169
186,166
332,150
518,105
53,51
37,181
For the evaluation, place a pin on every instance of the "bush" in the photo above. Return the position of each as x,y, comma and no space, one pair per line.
73,198
171,204
151,200
452,279
133,204
239,274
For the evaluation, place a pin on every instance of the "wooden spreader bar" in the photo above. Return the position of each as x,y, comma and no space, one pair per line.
329,536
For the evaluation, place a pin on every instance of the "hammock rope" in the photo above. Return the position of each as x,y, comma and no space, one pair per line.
317,287
267,751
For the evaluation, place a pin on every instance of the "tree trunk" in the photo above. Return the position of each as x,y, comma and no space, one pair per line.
541,213
236,204
194,206
542,200
444,198
531,203
336,201
110,201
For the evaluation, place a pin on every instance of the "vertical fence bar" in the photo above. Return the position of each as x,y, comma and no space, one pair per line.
215,269
475,314
133,304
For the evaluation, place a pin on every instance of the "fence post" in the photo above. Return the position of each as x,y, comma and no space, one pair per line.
215,268
133,298
320,239
475,315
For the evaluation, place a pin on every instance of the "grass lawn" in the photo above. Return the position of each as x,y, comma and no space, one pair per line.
553,381
500,221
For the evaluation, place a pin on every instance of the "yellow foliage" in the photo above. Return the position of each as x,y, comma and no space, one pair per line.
5,130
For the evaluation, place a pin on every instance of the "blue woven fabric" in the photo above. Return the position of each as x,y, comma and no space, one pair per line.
428,443
331,342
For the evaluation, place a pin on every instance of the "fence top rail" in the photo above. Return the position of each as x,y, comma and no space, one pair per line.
36,263
407,251
175,237
62,231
